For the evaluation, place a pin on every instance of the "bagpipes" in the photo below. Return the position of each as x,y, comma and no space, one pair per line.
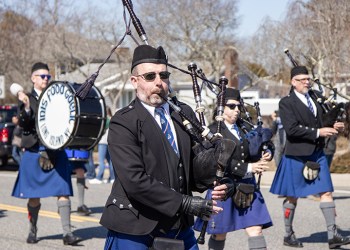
332,111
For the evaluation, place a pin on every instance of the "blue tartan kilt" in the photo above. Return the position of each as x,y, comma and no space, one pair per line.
233,218
289,180
34,182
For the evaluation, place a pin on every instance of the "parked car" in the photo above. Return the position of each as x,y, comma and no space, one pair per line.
6,131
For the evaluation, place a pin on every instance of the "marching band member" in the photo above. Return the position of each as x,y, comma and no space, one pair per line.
252,218
78,161
153,159
42,173
303,169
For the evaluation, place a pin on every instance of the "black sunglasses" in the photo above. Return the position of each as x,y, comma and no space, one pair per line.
233,106
150,76
303,79
43,76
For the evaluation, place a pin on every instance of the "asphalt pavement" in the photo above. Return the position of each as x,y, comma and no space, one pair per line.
309,224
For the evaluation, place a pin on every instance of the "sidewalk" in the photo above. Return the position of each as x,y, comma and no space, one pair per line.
339,180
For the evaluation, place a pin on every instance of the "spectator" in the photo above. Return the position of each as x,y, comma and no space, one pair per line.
103,155
90,166
16,141
280,136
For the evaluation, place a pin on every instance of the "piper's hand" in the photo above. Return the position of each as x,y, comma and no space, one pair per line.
267,156
259,167
223,191
327,132
219,192
339,126
216,209
199,207
24,98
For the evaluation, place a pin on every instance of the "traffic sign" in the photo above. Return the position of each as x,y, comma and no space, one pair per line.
2,87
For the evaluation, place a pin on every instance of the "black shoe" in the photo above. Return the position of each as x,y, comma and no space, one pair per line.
291,241
71,239
32,239
84,210
338,241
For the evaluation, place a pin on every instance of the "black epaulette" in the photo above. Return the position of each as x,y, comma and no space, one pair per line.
126,109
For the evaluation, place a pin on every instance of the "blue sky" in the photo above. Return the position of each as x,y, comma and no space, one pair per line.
252,12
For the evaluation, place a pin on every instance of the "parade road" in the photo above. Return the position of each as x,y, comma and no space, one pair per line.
309,224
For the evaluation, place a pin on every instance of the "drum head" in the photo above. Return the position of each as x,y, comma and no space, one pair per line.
55,120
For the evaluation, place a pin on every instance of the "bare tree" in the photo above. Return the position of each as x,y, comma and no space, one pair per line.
317,34
191,30
54,32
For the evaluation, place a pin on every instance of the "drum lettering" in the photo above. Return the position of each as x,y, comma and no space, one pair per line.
55,89
70,98
52,140
67,133
44,131
42,111
56,140
68,95
59,88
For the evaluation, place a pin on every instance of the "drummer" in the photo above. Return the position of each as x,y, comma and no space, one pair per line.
42,172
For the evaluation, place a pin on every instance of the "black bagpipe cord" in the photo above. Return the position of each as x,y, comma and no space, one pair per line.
85,88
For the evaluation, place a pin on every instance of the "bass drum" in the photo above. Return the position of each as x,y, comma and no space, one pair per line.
65,121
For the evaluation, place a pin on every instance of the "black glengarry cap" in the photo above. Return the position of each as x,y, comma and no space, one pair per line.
298,70
232,94
148,54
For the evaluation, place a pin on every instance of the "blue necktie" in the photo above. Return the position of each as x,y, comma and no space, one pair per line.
167,129
235,127
309,103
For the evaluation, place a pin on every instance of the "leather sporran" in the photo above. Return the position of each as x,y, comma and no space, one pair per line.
244,195
311,170
161,243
